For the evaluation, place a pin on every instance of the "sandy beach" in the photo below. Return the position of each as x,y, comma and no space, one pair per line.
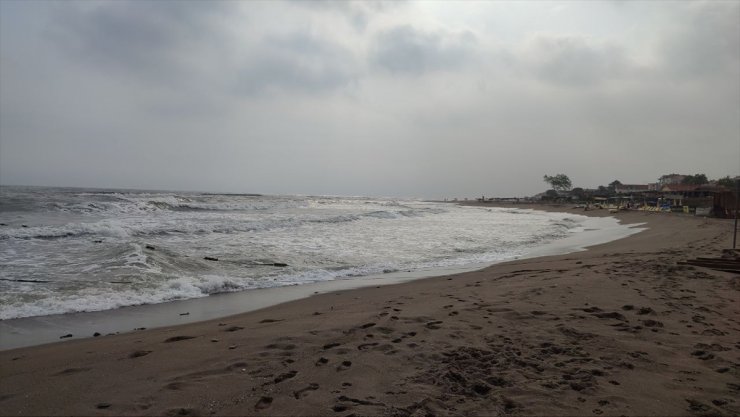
619,329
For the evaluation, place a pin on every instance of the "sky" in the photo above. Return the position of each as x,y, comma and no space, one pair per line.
404,99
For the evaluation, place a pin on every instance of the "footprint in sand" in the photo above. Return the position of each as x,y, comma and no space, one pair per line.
282,377
178,338
344,366
71,371
234,329
366,346
181,412
433,325
305,391
263,403
139,353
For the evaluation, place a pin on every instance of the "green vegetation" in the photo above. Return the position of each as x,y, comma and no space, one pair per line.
559,182
697,179
726,182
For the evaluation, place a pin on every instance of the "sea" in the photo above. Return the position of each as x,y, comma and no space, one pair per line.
71,250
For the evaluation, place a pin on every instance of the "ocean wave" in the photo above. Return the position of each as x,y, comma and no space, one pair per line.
105,228
98,299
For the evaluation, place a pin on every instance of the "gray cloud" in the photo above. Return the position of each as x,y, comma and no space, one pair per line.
145,39
706,42
423,99
297,62
407,50
573,60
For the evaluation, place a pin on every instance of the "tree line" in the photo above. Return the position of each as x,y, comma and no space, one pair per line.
562,183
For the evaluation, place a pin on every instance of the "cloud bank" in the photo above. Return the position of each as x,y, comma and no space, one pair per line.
406,99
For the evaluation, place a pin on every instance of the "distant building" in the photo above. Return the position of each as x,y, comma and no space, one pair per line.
631,188
671,179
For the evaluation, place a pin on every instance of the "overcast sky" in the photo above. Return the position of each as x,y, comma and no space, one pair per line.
418,99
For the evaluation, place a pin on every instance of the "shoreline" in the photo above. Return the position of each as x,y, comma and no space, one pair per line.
38,330
619,328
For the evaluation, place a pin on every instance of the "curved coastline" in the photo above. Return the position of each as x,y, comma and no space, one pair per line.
37,330
615,328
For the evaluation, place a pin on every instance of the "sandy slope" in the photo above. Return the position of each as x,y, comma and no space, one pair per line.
618,329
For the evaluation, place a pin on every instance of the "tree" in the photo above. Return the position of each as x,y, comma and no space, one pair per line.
551,195
726,182
578,193
613,186
559,182
697,179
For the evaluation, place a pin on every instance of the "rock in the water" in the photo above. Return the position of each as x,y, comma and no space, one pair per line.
96,334
66,336
210,258
279,264
150,247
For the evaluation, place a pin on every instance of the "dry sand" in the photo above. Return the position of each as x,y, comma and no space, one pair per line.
620,329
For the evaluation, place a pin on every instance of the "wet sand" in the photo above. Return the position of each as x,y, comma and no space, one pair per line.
620,329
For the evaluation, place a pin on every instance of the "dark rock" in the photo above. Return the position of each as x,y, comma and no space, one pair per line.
66,336
96,334
103,405
279,264
210,258
185,314
150,247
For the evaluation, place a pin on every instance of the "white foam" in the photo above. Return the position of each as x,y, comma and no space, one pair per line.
320,238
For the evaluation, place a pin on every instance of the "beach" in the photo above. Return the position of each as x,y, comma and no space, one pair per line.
618,329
